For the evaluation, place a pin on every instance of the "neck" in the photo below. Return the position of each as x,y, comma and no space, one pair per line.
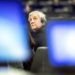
38,29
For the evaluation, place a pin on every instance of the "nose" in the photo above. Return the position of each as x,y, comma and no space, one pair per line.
32,19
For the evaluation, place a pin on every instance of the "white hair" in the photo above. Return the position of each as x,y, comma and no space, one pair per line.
40,14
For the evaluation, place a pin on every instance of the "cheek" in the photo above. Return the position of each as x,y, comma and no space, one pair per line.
39,23
30,22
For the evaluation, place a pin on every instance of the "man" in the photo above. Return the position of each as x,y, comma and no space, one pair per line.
37,21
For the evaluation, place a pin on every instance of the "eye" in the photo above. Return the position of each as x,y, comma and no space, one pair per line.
35,18
30,19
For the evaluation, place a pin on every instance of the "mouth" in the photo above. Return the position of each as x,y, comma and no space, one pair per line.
32,24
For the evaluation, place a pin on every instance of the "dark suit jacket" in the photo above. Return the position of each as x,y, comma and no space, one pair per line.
39,37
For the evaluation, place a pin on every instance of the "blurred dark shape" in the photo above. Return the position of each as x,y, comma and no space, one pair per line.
40,62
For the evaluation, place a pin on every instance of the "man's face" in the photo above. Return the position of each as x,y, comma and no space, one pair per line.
35,21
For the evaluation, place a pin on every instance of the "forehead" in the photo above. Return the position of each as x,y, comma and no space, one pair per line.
34,15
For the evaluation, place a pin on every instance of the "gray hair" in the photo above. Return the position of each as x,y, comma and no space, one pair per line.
41,15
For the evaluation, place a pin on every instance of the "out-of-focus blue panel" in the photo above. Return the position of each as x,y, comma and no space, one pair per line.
61,42
14,44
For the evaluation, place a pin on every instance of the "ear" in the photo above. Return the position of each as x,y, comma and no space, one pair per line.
42,20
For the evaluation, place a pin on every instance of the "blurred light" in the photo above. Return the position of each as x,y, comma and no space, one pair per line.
49,2
56,2
61,42
13,71
44,10
14,45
